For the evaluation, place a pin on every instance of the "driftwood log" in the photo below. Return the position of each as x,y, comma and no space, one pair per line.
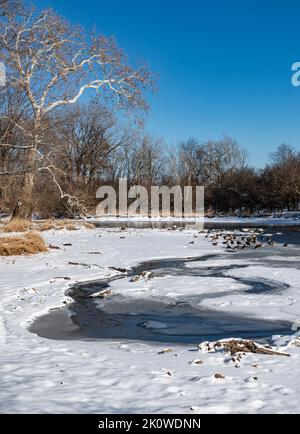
248,346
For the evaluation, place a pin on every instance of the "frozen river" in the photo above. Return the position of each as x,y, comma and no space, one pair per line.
161,319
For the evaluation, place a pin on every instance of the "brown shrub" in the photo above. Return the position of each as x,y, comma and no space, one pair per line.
29,244
16,225
21,225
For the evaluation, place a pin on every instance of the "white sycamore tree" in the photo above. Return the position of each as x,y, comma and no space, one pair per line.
53,64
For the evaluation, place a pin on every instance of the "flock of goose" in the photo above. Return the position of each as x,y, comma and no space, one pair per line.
236,241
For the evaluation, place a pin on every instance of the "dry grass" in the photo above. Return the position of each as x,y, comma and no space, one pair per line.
58,225
71,227
20,225
29,244
89,225
16,225
46,226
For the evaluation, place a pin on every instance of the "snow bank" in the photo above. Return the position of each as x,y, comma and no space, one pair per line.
42,376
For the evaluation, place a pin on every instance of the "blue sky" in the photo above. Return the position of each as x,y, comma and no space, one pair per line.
224,66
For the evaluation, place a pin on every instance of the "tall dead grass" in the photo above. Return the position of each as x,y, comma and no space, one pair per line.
57,225
21,225
16,225
28,244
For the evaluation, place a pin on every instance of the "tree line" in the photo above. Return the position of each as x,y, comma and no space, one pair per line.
71,120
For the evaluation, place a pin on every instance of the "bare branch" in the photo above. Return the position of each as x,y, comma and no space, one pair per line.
72,202
12,146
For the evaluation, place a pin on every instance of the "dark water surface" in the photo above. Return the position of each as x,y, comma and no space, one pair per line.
165,320
208,224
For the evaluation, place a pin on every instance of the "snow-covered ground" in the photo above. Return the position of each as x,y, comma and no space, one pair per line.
101,376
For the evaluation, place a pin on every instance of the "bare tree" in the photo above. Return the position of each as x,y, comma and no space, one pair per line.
53,63
221,157
10,7
190,164
282,178
88,136
207,163
145,161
